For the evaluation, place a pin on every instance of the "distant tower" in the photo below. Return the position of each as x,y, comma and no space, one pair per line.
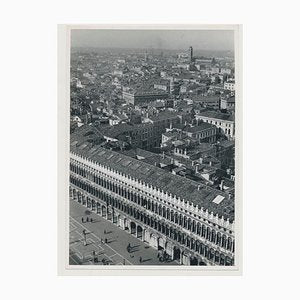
191,53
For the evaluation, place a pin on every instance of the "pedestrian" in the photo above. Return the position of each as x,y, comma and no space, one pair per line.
94,256
82,220
87,219
105,241
91,220
104,231
141,259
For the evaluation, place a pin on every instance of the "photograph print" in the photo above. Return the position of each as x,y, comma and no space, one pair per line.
152,159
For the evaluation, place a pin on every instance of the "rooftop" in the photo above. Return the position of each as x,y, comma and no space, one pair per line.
115,131
165,115
216,115
199,98
200,127
195,192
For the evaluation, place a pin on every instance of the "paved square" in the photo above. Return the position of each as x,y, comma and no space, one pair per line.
114,251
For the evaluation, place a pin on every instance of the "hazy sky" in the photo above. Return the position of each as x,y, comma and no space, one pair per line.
157,39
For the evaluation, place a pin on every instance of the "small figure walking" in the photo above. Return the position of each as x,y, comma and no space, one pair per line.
104,231
141,259
105,241
91,220
82,220
87,219
94,256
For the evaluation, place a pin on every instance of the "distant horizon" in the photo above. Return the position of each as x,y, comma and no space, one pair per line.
154,49
171,40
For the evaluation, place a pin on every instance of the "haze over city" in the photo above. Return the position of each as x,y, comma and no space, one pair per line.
158,39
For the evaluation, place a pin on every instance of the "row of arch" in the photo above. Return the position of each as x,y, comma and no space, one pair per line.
144,218
195,227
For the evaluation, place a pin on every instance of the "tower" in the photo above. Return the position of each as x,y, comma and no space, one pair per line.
191,53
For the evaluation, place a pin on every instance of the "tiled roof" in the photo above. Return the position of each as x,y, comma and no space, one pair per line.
216,115
163,116
198,128
195,192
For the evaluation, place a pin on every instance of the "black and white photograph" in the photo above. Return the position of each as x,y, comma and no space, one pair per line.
152,165
149,149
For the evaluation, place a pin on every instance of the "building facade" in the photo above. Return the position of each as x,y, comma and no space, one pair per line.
143,136
205,133
229,85
227,103
136,98
223,122
136,197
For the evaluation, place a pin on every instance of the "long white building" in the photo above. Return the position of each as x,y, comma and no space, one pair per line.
188,221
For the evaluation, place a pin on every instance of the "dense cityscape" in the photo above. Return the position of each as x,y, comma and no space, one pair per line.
152,168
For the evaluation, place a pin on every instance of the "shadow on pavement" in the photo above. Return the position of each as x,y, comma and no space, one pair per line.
73,242
110,241
133,250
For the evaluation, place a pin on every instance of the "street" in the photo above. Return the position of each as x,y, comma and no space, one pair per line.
113,252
